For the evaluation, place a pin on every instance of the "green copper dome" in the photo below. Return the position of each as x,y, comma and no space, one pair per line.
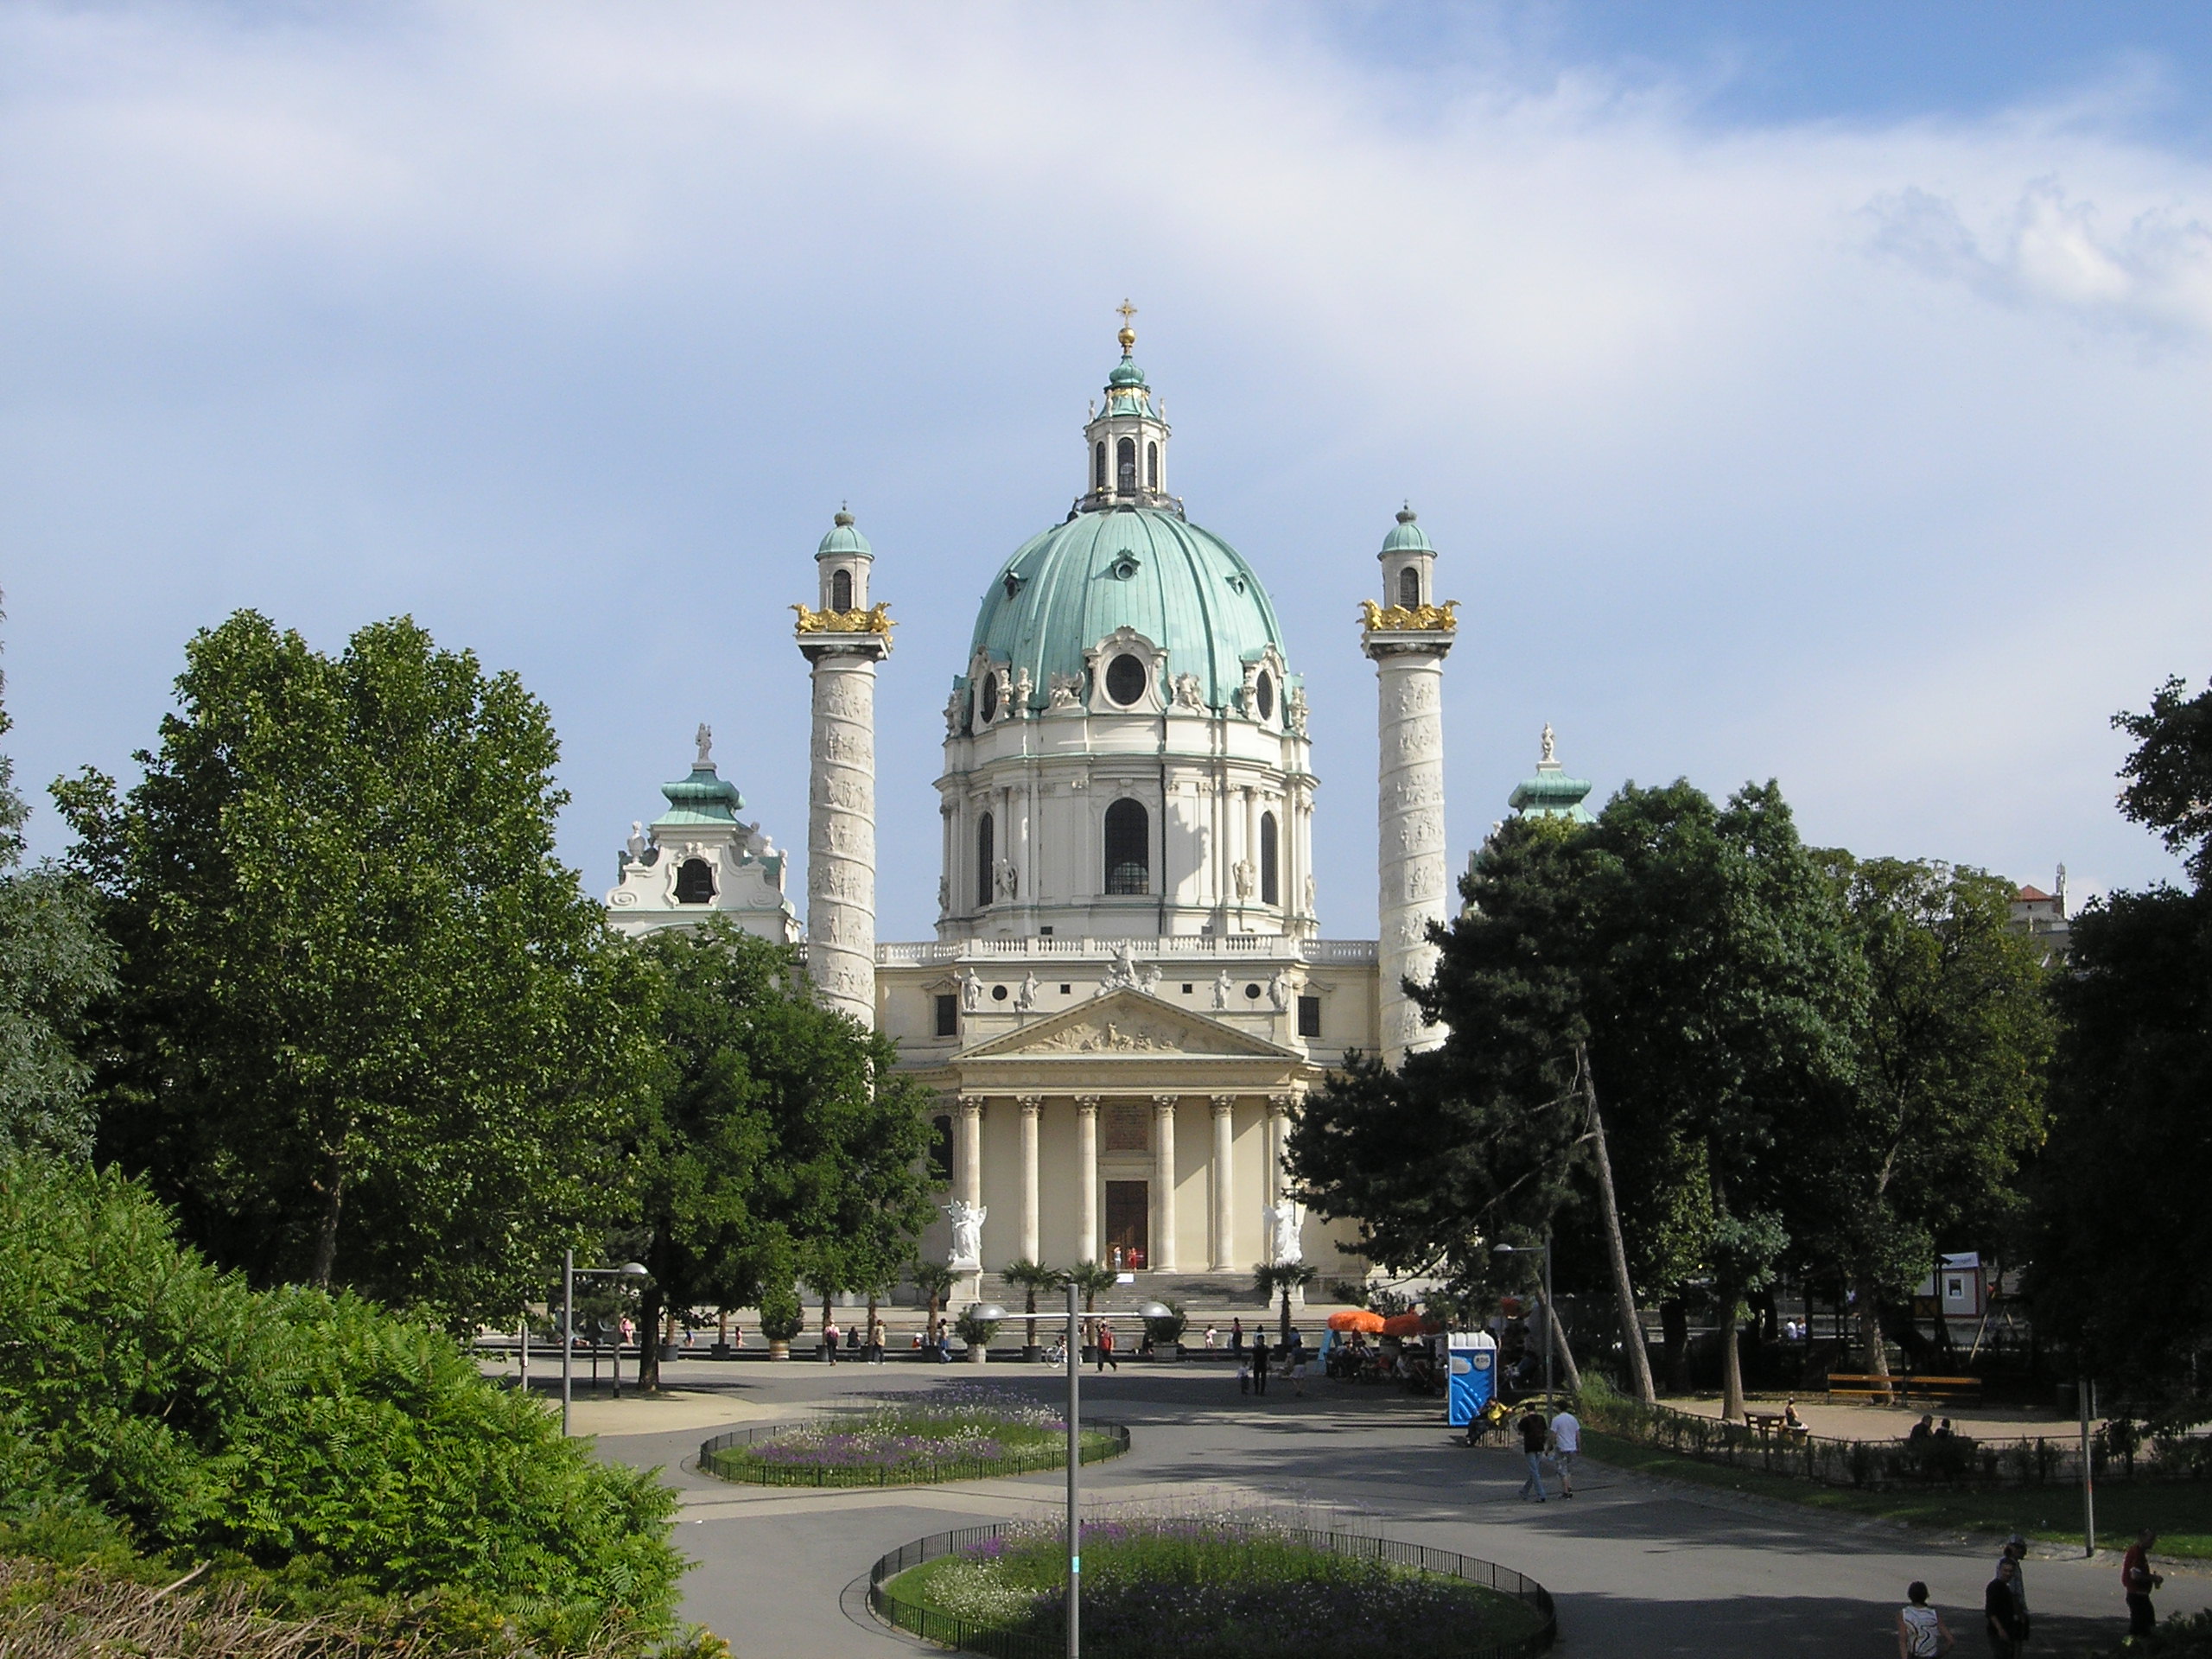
1126,374
844,540
703,797
1182,588
1409,537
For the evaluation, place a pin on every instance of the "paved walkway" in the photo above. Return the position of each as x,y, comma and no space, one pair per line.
1852,1422
1638,1566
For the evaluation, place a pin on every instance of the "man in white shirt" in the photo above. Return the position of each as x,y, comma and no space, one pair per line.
1567,1442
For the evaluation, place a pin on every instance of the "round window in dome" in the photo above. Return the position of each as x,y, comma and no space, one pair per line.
1125,679
990,701
1263,693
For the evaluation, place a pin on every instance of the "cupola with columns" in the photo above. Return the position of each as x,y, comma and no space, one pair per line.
1125,442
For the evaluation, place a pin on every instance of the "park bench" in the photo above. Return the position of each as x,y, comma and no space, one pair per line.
1849,1386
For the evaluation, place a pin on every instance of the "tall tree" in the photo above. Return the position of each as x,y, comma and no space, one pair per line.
55,964
1948,1100
370,1032
2119,1220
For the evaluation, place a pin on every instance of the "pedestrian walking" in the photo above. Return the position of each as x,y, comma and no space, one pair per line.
1213,1336
1259,1363
1533,1434
2001,1614
2137,1578
829,1341
1106,1348
1922,1633
1236,1335
1566,1445
1298,1370
2016,1551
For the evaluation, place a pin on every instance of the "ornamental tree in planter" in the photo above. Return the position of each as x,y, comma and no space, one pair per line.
1090,1278
977,1334
781,1319
1031,1277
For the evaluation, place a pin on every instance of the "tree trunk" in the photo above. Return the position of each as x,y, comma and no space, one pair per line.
867,1337
1563,1366
1285,1313
649,1312
1675,1330
326,1240
826,1351
1639,1364
1731,1357
1876,1351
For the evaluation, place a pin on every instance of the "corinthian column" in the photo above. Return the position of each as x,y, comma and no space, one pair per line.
844,648
1031,1105
1221,1192
1163,1183
1086,1173
968,1153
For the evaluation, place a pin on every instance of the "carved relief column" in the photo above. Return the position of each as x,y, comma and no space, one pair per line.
1032,1105
1163,1183
1086,1175
1220,1189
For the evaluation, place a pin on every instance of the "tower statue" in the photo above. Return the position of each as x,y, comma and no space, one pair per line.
841,789
1409,809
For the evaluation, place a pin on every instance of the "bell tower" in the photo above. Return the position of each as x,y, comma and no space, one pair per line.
1125,442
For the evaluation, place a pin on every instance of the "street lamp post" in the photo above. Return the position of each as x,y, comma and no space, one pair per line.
1551,1314
992,1311
570,1274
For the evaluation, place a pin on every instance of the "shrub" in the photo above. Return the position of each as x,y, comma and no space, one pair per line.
781,1317
1170,1328
976,1333
299,1431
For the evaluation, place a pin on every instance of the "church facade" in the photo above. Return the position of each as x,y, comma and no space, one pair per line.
1127,995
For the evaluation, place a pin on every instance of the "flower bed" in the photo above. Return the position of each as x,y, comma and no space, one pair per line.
957,1433
1214,1588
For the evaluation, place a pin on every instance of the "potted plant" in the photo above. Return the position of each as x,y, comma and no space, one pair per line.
1031,1277
781,1319
977,1334
1090,1278
1166,1334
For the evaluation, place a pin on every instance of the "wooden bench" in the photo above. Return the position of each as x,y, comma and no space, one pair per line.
1903,1388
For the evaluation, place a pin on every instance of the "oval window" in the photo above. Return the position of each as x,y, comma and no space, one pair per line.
990,699
1264,695
1125,679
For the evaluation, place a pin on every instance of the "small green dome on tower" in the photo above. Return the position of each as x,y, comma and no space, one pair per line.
1409,537
1551,793
844,540
705,797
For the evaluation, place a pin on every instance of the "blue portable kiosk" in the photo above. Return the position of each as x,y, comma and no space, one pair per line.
1473,1376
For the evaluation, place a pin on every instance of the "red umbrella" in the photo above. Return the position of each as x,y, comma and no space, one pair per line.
1356,1318
1410,1324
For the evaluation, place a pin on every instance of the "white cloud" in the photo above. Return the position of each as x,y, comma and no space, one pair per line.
1753,449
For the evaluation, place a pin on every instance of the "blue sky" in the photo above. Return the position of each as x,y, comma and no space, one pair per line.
1809,392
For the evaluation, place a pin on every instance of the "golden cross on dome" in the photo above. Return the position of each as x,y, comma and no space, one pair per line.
1128,336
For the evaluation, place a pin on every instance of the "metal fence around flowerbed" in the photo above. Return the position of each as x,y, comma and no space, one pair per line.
1957,1460
917,1471
949,1631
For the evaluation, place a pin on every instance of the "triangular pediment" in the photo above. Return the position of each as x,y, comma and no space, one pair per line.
1128,1023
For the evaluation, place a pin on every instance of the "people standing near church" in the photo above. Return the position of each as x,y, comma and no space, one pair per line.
1259,1362
829,1334
2137,1578
1236,1335
1567,1445
1533,1434
2007,1629
1106,1348
1922,1633
2016,1551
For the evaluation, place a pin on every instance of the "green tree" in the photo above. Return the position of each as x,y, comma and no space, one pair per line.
777,1139
1090,1278
1030,1277
369,1031
55,964
2119,1221
935,1281
1948,1096
1271,1278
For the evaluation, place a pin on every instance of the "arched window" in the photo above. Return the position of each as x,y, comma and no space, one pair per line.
1129,848
1270,864
1125,466
986,856
1152,466
841,591
1409,588
1098,465
694,882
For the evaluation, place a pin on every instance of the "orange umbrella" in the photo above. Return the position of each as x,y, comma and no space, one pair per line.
1410,1324
1356,1318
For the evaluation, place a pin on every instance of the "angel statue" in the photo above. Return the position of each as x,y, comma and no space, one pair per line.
967,1235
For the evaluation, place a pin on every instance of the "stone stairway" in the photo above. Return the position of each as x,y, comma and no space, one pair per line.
1198,1295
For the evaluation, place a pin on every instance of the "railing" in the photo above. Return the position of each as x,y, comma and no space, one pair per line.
919,1472
951,1632
1957,1460
1205,946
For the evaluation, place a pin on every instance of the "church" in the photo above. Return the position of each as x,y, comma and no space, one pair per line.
1127,995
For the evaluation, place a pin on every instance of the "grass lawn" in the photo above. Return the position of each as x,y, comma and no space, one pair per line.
2181,1510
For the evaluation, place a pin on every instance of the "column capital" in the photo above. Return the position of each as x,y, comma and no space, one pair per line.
1087,1105
1164,1104
972,1103
1280,1105
1222,1104
1030,1104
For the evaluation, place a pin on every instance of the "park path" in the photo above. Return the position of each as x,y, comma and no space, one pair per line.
1638,1566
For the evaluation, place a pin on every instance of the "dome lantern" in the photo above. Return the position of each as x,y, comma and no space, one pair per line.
1125,441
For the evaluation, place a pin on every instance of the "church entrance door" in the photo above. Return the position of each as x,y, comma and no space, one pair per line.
1127,1219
